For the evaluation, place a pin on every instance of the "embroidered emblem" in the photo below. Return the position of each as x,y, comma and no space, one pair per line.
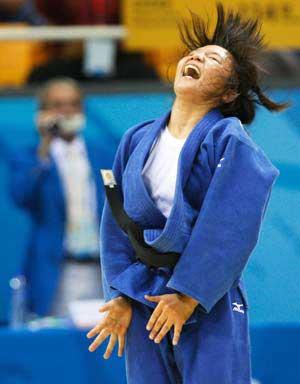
237,307
108,177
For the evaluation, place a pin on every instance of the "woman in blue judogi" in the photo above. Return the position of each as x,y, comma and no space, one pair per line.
197,186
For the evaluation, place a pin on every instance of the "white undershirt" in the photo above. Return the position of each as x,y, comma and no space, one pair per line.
160,170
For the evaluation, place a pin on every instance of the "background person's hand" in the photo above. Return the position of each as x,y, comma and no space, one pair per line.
115,325
45,120
172,310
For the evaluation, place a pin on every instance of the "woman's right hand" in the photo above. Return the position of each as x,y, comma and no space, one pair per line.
115,325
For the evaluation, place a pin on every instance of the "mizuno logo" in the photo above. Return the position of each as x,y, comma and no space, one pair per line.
237,307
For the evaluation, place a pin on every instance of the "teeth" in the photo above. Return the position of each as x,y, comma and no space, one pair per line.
191,70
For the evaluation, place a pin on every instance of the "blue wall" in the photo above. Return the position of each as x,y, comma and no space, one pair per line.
273,272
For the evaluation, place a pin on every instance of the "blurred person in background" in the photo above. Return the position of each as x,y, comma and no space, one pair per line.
20,57
69,58
20,11
55,182
84,12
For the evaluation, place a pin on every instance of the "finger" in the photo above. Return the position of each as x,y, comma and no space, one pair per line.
164,330
121,341
106,307
110,346
155,314
158,324
99,340
94,331
154,299
177,333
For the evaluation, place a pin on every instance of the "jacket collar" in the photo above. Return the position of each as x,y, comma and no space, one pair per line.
189,149
135,181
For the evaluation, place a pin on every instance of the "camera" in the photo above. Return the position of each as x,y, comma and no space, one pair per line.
53,127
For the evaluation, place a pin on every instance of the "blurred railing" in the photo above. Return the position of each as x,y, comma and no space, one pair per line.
25,48
114,32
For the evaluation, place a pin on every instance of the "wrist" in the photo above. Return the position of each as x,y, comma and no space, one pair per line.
123,299
191,302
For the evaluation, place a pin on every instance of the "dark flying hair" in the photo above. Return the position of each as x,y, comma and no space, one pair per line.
243,39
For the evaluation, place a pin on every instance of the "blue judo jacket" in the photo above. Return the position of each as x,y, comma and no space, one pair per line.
223,186
36,187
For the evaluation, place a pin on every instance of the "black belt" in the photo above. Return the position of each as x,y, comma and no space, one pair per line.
87,259
144,252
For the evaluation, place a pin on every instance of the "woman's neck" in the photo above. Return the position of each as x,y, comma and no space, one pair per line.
184,117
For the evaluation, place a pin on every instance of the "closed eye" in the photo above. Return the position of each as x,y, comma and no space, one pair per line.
215,59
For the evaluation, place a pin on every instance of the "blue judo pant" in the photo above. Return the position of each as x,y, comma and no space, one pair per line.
214,349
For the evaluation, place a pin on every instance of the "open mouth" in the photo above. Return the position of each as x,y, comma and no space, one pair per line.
192,71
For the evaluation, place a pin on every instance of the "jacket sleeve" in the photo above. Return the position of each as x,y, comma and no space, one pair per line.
116,252
228,225
26,174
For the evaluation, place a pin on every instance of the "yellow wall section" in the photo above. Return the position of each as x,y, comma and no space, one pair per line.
152,23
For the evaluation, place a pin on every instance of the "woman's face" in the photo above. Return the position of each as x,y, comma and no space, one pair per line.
201,76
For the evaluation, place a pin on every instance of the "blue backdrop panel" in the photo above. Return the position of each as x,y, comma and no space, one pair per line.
272,276
273,272
276,353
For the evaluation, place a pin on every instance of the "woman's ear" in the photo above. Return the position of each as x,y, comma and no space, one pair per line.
230,96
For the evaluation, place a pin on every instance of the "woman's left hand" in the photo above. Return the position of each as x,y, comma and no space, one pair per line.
172,310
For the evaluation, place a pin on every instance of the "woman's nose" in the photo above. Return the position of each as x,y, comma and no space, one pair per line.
198,57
